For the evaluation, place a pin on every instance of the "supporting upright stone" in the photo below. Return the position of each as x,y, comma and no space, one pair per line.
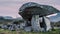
47,22
35,23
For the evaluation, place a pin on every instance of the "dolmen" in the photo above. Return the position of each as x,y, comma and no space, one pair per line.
31,12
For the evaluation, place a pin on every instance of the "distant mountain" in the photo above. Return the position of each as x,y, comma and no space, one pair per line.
6,18
20,19
1,18
55,18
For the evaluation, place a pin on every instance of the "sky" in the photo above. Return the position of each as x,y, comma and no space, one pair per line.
11,7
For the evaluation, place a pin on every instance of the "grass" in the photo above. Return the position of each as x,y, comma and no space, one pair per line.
2,31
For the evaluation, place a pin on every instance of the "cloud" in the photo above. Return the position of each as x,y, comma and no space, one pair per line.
57,6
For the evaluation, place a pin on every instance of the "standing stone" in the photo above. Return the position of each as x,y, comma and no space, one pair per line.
42,24
35,23
47,22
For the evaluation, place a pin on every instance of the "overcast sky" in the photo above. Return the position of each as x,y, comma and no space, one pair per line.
11,7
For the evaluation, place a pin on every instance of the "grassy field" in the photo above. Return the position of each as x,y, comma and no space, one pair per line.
2,31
